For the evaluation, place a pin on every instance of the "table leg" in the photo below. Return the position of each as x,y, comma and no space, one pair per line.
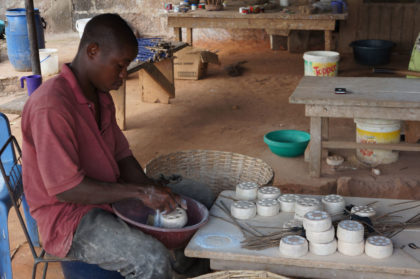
325,128
190,36
178,34
328,39
119,100
315,152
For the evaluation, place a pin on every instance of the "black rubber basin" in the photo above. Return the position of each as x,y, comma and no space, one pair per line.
372,52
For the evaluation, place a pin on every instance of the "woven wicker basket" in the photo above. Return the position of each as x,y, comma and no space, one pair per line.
218,169
241,274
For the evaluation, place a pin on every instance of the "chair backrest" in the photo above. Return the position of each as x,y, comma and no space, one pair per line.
12,176
8,155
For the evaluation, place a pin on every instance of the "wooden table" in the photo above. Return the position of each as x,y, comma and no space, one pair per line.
377,98
273,21
219,241
160,73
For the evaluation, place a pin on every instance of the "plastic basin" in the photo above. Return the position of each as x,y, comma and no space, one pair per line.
372,52
135,213
287,143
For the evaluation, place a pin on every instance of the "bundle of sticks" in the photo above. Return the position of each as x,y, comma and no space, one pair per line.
153,49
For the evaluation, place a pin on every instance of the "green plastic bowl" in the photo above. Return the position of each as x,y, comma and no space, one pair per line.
287,143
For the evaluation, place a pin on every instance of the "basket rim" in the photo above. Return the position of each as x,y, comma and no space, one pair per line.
207,150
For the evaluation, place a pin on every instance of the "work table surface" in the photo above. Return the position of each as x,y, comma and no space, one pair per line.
233,12
365,91
220,240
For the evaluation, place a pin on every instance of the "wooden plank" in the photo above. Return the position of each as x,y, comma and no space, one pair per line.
220,240
119,100
178,34
348,28
412,131
369,92
328,40
325,125
407,30
363,22
190,36
384,27
362,112
315,152
374,21
153,87
416,29
232,13
381,146
277,32
161,79
396,23
298,41
249,23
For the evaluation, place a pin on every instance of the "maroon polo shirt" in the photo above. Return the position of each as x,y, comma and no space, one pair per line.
61,145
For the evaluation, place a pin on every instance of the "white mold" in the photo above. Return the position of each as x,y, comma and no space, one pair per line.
321,237
323,249
268,207
304,205
293,246
363,211
174,220
333,204
243,210
351,249
268,192
350,231
317,221
287,202
246,191
378,247
335,160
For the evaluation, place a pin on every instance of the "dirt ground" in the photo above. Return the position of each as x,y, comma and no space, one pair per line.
232,114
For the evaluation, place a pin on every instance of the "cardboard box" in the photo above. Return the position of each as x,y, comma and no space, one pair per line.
191,63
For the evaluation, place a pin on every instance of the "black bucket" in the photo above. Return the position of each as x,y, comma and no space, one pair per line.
372,52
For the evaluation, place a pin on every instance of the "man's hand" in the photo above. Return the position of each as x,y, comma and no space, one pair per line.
162,198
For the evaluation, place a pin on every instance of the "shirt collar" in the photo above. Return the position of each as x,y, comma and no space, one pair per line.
68,74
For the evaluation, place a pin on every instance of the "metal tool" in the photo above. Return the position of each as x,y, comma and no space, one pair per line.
413,246
340,91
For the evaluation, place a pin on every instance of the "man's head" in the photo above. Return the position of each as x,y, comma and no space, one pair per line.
107,47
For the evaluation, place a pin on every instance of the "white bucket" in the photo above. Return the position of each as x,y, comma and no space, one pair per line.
377,131
321,63
48,58
80,25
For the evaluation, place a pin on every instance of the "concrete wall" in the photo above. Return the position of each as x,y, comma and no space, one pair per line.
146,16
57,13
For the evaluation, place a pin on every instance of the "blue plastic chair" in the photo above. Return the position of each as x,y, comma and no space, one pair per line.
11,194
7,160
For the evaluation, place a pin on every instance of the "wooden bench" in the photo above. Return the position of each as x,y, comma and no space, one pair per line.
276,23
375,98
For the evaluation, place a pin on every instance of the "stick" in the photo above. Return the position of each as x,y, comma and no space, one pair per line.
226,211
404,209
405,202
226,220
